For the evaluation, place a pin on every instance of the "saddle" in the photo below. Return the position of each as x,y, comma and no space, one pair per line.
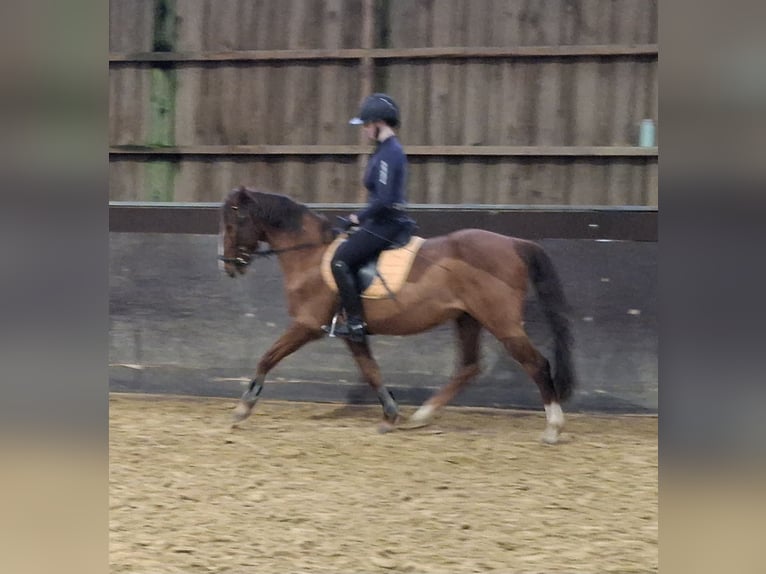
382,276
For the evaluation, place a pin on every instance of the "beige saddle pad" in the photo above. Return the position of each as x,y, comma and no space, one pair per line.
393,264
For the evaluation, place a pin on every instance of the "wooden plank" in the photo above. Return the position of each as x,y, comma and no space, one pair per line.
557,173
585,51
223,22
530,181
530,17
301,121
351,23
622,84
193,182
276,26
129,103
188,97
436,129
651,185
585,108
512,190
292,182
332,112
473,174
532,151
367,80
160,175
475,104
652,24
590,183
452,191
621,182
130,25
332,24
331,105
126,180
190,27
260,24
548,122
607,103
633,96
651,96
295,29
499,183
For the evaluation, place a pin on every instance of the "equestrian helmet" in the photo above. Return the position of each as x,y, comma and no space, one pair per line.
377,107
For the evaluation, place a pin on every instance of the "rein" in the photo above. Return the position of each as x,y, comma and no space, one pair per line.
246,257
268,252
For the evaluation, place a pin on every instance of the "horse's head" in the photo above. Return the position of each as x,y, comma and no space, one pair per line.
240,232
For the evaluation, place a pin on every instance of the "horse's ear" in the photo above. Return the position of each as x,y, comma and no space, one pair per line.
242,195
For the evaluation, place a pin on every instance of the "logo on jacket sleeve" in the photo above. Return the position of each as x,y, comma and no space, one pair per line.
383,173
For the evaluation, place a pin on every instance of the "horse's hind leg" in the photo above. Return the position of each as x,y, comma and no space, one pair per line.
371,374
468,330
537,366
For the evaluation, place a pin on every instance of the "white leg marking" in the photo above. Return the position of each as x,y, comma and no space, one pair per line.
220,250
555,418
554,414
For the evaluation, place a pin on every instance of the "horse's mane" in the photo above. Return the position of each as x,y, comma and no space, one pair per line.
277,210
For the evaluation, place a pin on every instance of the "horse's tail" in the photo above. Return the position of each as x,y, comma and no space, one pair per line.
548,286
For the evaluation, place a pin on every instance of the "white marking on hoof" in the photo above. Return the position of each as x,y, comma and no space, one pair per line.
555,417
421,417
220,251
550,435
242,411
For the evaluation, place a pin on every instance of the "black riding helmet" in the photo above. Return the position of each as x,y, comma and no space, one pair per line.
377,107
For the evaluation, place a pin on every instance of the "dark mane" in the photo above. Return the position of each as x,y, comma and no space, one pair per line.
277,210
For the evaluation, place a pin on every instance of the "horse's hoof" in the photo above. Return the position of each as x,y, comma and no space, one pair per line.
386,427
421,417
243,410
550,435
389,424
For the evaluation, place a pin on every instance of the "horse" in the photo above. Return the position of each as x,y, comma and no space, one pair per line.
475,278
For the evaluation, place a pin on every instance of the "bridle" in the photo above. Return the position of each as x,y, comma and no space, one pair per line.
244,256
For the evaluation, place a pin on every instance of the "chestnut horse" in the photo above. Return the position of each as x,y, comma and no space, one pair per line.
476,278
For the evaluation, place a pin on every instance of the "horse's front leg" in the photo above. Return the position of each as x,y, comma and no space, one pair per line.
291,340
371,374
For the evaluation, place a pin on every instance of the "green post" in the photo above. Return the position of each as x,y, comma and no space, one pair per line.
160,175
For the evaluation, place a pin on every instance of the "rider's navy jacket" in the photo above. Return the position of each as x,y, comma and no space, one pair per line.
386,179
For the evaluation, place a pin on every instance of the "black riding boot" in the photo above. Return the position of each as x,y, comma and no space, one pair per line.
353,329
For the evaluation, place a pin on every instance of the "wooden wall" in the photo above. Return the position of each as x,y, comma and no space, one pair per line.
503,101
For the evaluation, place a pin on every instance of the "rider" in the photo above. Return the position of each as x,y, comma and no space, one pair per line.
383,218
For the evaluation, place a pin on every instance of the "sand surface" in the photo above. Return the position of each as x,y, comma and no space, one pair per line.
311,488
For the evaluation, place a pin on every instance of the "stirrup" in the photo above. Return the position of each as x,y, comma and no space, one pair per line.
330,329
354,332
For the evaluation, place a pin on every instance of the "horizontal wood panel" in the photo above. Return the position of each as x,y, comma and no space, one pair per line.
454,180
233,25
503,101
341,150
601,51
550,222
414,24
